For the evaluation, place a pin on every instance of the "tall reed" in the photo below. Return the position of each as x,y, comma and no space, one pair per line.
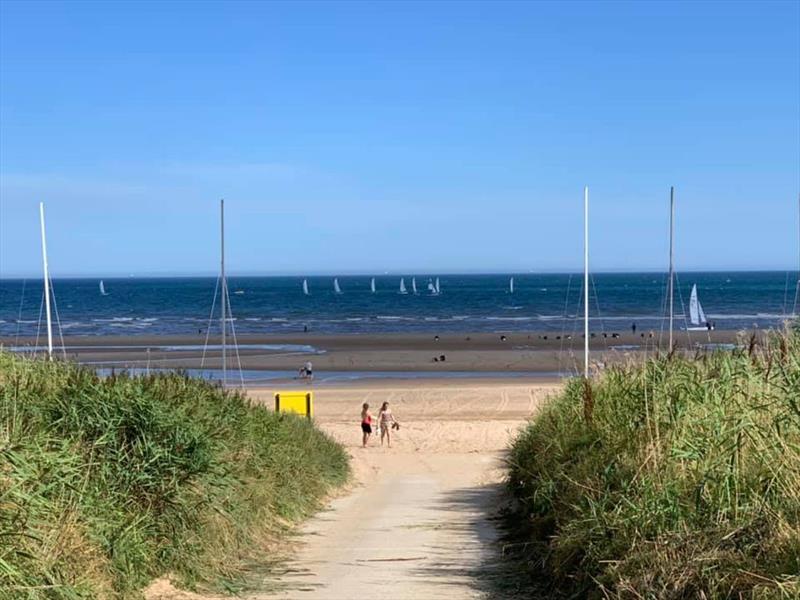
106,483
684,484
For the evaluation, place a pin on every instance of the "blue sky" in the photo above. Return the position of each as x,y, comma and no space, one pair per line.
372,137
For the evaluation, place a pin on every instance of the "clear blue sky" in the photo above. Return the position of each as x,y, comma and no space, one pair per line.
371,137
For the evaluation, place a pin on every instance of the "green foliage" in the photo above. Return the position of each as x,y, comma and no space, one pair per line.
108,483
685,484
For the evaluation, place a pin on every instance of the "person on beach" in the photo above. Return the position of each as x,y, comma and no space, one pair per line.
633,329
386,422
366,424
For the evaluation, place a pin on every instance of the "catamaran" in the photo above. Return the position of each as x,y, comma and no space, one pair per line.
336,287
696,315
103,289
414,285
372,285
403,286
305,287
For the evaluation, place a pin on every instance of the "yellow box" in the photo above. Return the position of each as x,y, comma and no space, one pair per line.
301,403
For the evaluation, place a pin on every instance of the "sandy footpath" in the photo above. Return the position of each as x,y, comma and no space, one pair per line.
416,521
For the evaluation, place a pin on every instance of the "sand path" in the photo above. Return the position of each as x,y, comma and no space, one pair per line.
415,524
416,521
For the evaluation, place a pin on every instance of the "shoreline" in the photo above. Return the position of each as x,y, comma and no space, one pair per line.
534,353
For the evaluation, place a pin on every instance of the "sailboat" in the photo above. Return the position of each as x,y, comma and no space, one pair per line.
438,290
372,285
103,289
305,287
696,315
431,287
403,286
336,287
414,285
511,286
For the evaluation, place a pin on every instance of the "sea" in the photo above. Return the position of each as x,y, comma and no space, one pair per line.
465,303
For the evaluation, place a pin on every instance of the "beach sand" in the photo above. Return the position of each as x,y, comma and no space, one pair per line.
416,522
534,352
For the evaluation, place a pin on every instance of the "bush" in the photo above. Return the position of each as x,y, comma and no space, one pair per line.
108,483
685,482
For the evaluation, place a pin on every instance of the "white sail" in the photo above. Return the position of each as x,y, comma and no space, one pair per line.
437,286
511,285
305,287
414,285
403,286
336,287
372,285
103,289
431,287
696,314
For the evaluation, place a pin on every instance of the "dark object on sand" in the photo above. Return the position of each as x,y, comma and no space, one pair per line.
442,358
436,338
502,338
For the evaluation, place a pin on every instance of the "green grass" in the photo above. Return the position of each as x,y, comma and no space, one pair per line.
106,484
683,483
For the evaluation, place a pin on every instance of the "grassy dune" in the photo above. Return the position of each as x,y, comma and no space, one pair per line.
106,484
681,479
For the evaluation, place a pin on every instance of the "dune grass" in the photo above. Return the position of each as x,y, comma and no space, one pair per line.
682,481
108,483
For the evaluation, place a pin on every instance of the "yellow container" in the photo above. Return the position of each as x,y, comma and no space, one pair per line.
301,403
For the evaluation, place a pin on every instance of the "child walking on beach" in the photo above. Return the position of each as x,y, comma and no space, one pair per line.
366,424
386,422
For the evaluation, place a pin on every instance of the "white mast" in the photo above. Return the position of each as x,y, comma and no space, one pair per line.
671,264
796,308
224,286
46,285
586,282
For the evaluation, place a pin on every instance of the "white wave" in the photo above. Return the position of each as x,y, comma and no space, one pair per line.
509,318
512,307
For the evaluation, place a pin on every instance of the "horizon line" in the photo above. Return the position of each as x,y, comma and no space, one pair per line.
393,273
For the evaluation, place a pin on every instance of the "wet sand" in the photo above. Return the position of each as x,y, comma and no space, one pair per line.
534,352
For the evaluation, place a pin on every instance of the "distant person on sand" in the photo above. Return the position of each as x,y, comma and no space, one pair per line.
633,329
306,371
387,422
366,424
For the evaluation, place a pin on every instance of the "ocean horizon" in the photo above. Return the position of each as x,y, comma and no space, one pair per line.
181,305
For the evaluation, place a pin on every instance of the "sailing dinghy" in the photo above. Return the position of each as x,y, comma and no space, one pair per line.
696,315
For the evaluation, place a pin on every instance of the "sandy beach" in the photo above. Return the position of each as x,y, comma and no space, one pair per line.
418,514
545,354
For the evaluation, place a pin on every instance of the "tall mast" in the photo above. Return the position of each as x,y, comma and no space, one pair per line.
46,285
797,290
671,257
586,282
224,287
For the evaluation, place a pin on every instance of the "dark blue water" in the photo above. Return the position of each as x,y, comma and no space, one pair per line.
474,303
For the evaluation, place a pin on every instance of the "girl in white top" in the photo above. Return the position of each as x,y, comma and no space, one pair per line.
386,420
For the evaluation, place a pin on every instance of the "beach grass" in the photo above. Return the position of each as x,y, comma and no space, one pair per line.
681,481
108,483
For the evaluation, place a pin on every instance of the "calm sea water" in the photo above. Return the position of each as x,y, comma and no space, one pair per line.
474,303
